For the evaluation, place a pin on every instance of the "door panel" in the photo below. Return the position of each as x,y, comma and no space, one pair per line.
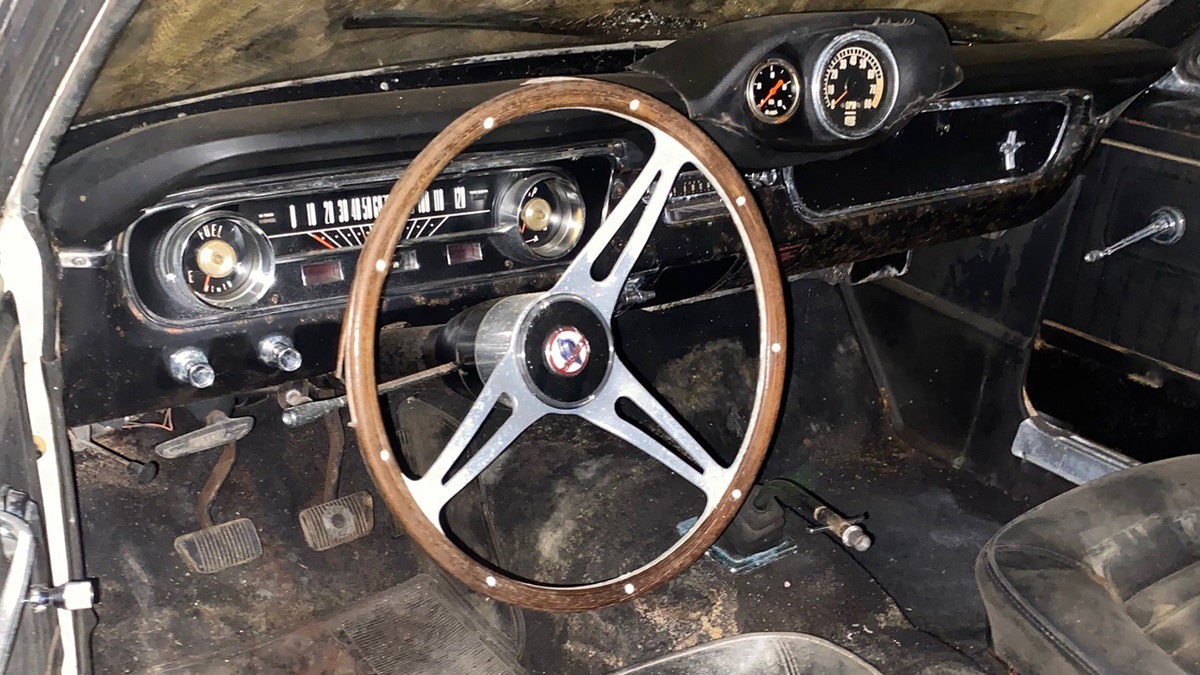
1145,298
34,645
1118,355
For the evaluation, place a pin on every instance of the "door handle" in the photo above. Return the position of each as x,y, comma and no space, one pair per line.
1165,227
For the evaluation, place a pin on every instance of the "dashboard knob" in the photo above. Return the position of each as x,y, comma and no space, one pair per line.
190,366
277,351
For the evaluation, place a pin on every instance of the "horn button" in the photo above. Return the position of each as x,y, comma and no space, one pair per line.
568,350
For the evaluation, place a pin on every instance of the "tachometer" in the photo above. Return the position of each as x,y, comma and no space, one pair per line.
856,85
773,91
219,258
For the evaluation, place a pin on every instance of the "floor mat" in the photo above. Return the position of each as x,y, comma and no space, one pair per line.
421,627
559,501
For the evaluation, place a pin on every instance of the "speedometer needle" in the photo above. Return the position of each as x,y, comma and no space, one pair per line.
839,99
321,240
771,94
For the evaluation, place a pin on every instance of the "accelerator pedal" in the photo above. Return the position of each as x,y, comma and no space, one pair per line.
220,547
339,521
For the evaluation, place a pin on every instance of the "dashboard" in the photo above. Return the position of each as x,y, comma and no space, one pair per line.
227,228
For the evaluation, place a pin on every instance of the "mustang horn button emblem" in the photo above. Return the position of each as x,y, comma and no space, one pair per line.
567,351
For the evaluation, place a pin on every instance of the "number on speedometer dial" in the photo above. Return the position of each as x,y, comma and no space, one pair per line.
855,86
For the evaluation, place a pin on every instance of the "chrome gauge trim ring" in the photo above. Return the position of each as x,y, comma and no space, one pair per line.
260,261
565,227
793,74
891,80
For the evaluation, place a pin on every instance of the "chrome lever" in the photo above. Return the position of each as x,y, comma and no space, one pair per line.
1166,227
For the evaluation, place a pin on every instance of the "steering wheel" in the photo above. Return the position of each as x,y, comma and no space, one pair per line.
519,351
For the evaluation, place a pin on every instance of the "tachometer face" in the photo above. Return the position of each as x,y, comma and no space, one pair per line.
855,85
773,91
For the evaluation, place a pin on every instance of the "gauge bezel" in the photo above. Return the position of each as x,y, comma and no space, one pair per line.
887,60
568,219
797,82
261,263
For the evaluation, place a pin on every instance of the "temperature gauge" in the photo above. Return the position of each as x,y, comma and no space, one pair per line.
221,259
546,211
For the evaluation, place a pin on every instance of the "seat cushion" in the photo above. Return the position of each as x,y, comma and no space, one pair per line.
758,654
1102,579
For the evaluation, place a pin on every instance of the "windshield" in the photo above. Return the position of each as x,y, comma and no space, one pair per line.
175,49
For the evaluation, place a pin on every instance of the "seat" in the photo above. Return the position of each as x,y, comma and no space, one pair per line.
1104,578
758,654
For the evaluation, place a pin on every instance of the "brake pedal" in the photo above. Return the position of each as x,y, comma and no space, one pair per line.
220,547
339,521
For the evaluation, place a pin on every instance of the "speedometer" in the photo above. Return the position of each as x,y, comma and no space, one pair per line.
855,84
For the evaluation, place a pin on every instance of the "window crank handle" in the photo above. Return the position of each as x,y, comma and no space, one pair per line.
1165,227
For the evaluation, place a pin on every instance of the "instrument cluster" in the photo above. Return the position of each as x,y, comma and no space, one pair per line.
296,242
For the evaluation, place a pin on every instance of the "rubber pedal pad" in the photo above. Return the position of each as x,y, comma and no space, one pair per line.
220,547
338,522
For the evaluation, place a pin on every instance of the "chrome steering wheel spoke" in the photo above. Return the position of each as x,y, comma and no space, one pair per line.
700,468
652,186
438,485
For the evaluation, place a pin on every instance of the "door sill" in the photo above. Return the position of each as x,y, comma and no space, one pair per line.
1043,443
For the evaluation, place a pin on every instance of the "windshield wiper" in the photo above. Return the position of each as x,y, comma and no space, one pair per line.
515,22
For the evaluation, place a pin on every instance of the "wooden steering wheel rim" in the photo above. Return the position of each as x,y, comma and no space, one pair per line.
357,348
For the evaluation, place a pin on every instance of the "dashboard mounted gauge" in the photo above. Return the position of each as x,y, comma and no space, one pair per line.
218,258
773,91
546,212
855,81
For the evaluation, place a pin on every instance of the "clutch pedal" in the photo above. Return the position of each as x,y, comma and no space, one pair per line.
214,548
220,547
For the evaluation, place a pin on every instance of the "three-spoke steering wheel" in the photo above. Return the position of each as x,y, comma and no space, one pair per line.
552,353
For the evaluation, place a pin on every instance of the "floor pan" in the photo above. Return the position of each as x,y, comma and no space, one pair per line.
420,627
565,507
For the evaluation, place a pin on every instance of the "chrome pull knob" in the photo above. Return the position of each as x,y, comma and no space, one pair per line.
1165,227
277,351
190,366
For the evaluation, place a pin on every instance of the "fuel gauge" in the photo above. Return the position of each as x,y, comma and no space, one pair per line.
221,259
